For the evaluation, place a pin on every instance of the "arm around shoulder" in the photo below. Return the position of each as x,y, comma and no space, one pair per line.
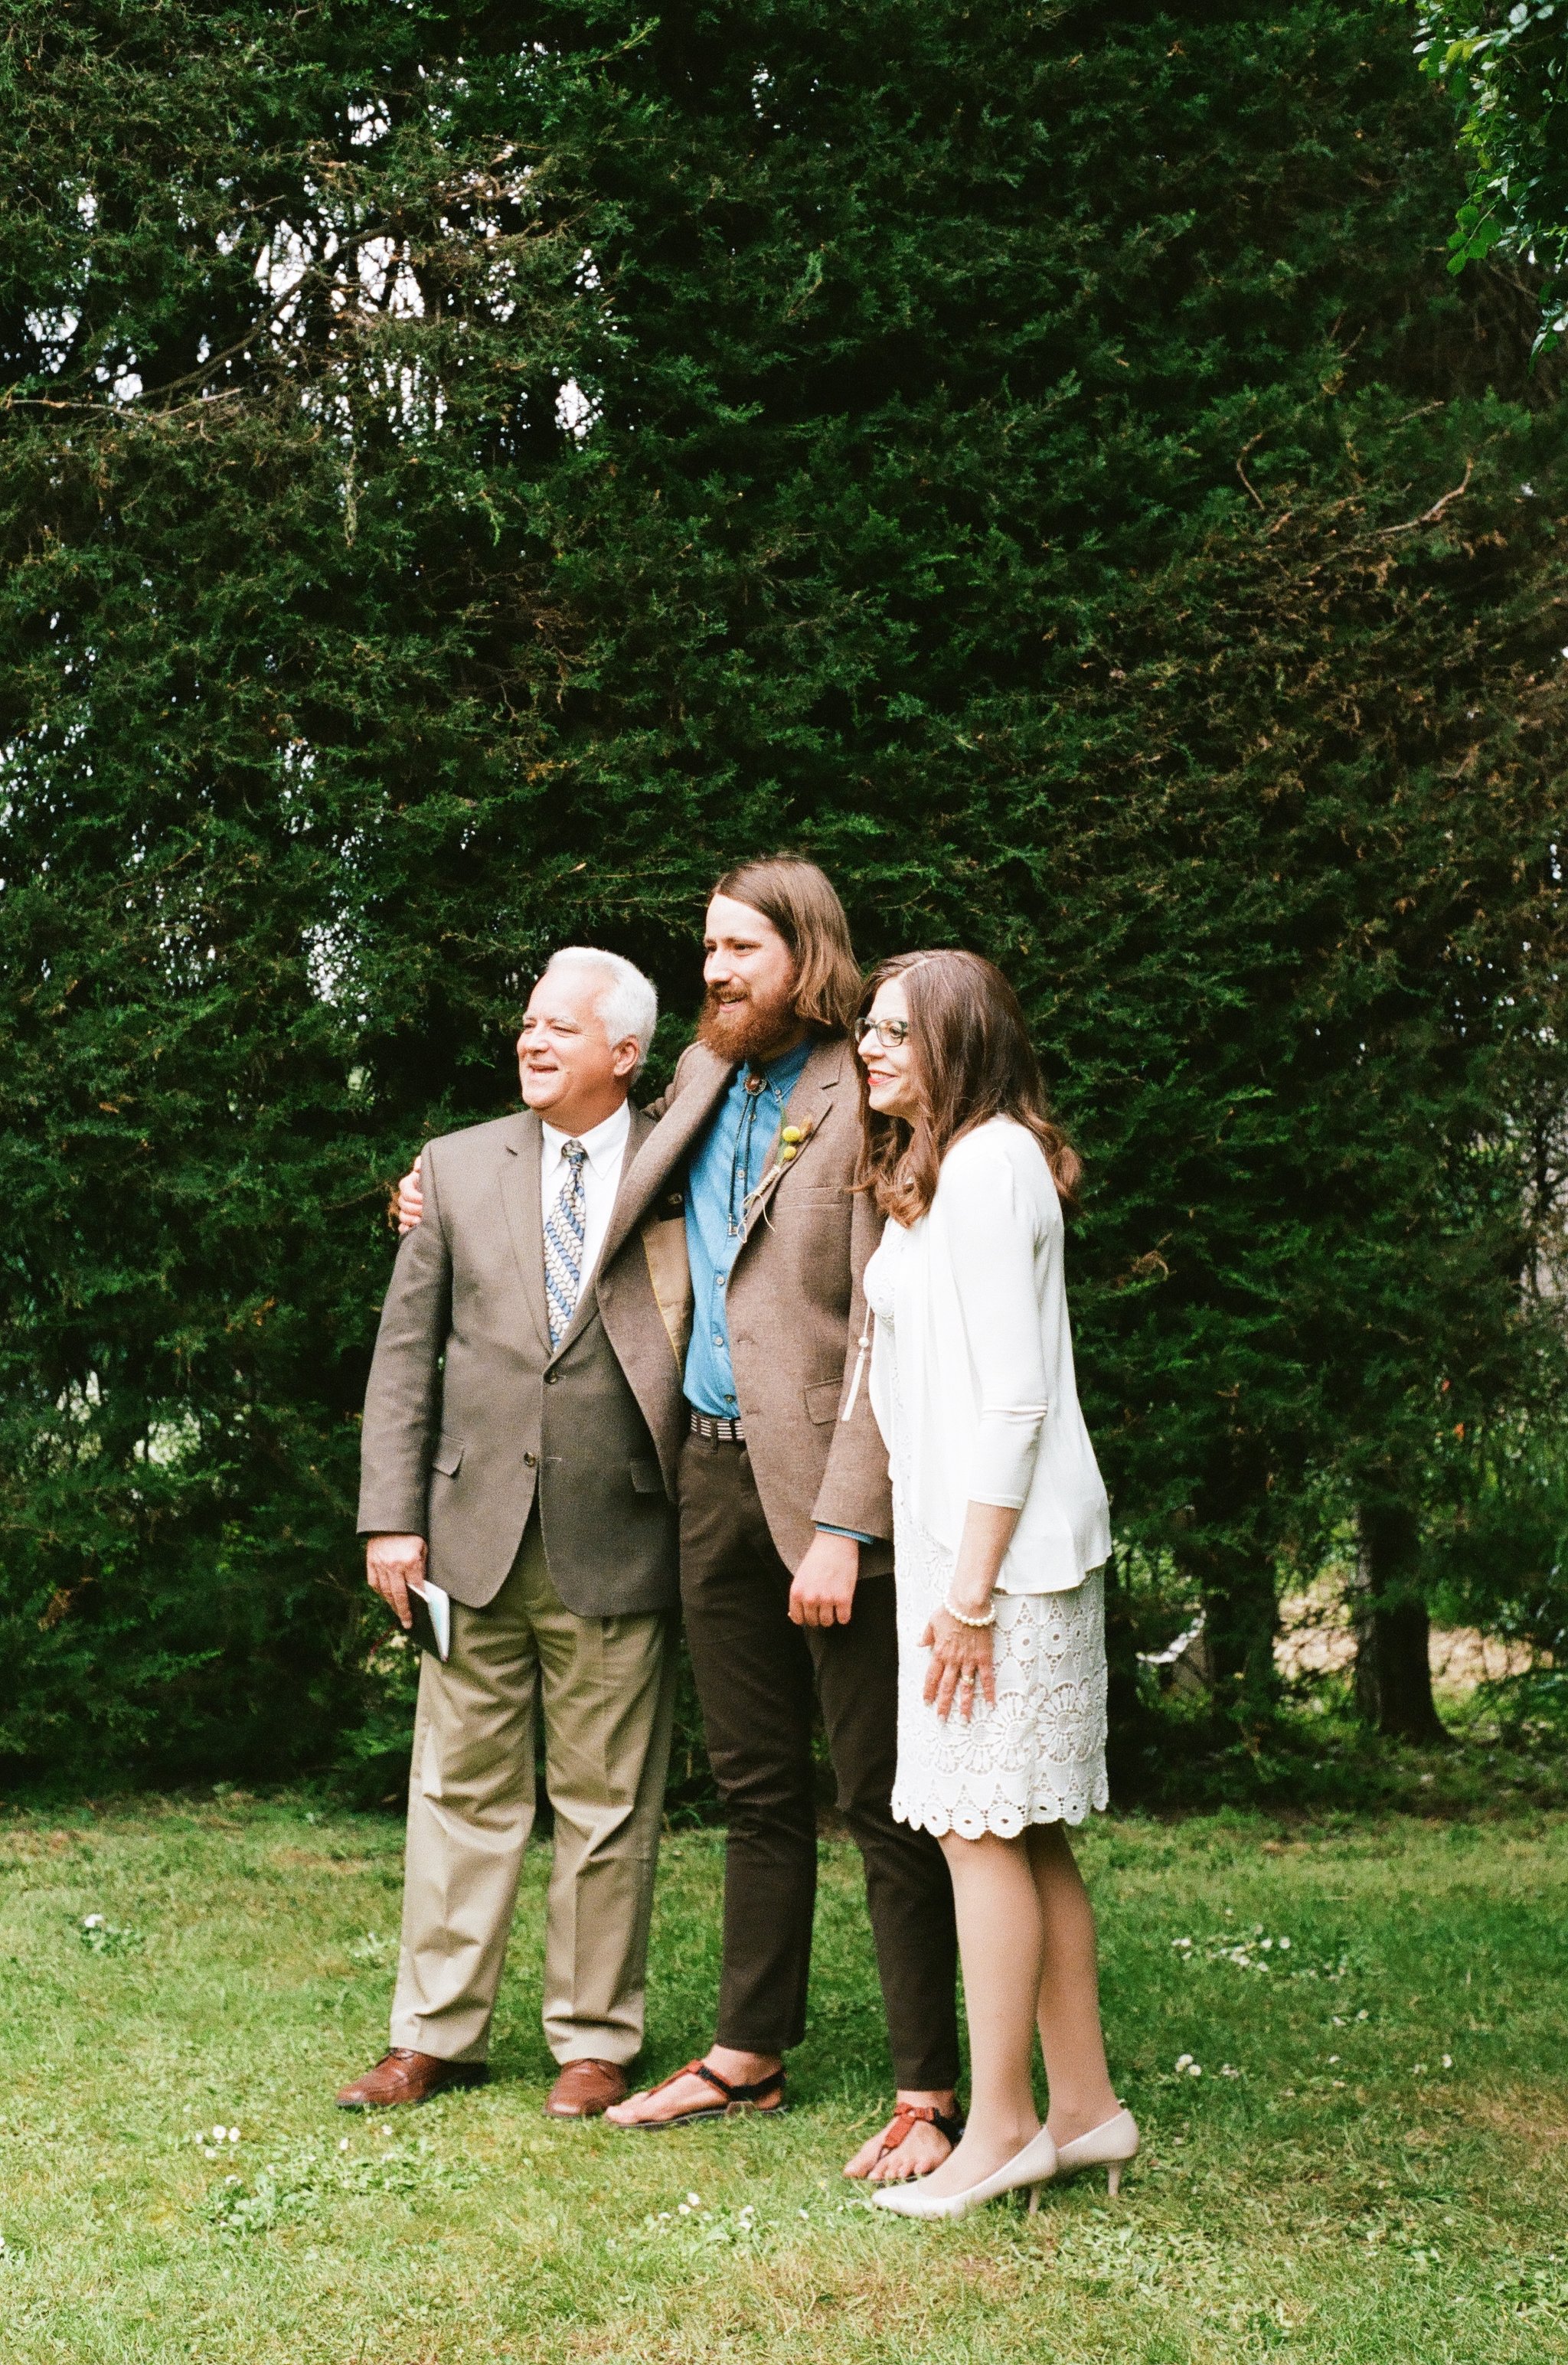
660,1107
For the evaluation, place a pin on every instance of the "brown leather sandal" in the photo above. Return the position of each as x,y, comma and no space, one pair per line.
736,2099
909,2115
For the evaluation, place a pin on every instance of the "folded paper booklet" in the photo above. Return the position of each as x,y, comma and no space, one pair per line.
433,1618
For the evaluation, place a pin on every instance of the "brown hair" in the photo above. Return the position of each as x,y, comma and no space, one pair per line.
803,905
970,1059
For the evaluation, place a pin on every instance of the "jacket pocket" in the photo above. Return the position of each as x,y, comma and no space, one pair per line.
647,1478
822,1403
448,1457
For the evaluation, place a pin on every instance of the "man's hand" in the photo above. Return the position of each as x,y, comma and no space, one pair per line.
823,1591
409,1202
393,1564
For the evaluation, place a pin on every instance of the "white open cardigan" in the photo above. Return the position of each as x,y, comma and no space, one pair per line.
985,1374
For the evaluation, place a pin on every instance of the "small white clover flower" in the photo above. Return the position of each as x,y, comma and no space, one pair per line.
693,2201
685,2209
1447,2060
92,1921
1183,2061
1284,1943
233,2135
343,2142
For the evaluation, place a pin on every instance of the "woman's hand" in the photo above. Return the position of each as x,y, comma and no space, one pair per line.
409,1205
960,1658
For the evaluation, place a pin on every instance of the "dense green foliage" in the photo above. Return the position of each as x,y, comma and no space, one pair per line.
459,490
1506,66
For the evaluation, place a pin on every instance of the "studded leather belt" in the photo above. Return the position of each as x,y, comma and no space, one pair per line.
716,1430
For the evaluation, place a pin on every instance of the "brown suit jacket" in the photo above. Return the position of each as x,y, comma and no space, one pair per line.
471,1417
797,1308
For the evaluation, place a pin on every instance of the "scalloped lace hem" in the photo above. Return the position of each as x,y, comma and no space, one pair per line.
999,1822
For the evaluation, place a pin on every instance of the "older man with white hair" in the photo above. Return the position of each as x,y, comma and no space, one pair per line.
523,1428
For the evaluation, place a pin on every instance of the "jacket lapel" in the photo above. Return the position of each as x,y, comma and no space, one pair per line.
659,1149
525,1217
824,1085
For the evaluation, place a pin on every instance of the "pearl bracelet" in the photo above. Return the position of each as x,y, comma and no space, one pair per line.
959,1617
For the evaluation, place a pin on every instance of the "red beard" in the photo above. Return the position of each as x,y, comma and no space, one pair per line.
748,1030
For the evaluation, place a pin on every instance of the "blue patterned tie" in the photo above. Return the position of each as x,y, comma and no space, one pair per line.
564,1234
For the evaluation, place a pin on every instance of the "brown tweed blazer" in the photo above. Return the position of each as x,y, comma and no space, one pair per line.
797,1308
471,1417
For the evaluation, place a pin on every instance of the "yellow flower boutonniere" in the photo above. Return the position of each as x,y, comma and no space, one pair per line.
792,1140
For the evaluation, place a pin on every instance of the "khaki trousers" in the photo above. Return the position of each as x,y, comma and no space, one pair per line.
608,1690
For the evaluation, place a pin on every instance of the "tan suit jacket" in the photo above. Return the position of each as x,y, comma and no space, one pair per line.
471,1417
797,1307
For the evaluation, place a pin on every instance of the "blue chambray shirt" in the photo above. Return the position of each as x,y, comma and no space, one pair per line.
726,1166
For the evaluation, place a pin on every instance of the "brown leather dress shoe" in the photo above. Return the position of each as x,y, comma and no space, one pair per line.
405,2076
586,2089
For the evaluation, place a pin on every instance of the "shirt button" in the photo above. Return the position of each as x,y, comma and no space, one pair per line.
551,1378
531,1461
718,1337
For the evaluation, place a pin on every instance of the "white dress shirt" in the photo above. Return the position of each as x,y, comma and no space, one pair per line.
970,1306
606,1147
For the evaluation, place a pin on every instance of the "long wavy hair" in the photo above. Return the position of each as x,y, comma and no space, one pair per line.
970,1059
803,905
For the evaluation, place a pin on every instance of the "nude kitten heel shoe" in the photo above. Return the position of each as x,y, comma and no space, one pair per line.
1034,2166
1109,2147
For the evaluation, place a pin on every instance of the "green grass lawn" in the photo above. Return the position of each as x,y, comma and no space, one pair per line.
1370,2166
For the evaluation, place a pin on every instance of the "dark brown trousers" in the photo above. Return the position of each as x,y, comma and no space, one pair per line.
756,1675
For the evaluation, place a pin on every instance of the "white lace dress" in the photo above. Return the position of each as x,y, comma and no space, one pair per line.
1039,1756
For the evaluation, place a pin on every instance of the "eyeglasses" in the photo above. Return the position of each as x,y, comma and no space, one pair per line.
892,1033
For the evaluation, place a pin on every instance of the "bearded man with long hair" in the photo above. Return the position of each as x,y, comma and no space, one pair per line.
785,1516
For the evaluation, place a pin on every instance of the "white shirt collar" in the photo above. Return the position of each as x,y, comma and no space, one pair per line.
604,1143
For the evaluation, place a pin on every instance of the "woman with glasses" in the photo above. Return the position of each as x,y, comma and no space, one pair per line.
1000,1527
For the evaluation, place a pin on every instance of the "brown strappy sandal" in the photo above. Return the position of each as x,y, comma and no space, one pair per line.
909,2115
737,2099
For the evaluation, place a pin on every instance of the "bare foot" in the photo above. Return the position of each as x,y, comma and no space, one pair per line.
920,2150
657,2105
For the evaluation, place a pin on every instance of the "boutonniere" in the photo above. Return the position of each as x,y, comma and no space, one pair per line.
791,1141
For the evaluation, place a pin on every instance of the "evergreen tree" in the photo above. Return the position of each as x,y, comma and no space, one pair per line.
470,473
